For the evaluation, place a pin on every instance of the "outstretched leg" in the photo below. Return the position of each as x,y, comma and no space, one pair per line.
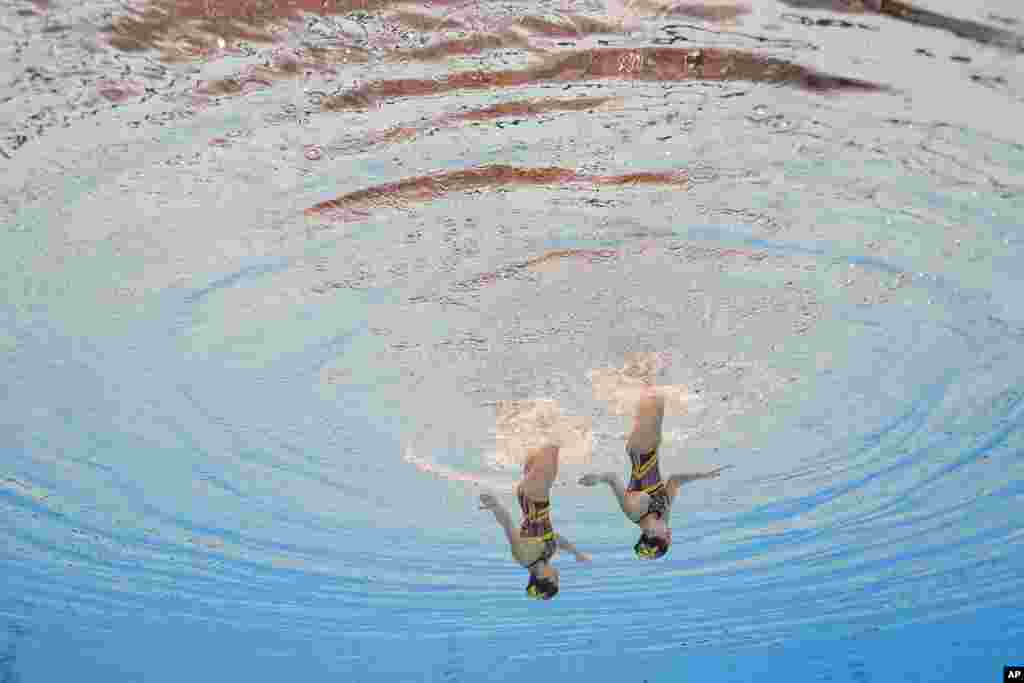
677,480
643,439
539,472
488,501
630,504
646,434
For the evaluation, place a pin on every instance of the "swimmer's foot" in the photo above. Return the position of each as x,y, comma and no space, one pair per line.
716,472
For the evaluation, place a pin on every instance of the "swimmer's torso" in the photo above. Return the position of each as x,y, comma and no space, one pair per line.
645,476
536,534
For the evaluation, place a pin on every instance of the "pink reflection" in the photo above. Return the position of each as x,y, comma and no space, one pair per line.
120,90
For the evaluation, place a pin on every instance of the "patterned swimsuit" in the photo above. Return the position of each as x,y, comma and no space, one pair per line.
537,525
645,476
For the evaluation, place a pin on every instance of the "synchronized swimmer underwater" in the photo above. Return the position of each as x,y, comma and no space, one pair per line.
646,501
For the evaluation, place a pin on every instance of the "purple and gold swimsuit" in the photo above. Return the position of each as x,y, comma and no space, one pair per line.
536,525
645,476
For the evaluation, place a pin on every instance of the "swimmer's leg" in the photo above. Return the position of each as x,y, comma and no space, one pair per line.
677,480
646,433
644,438
633,504
564,544
489,502
539,472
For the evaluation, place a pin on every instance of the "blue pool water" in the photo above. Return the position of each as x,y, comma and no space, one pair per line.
242,440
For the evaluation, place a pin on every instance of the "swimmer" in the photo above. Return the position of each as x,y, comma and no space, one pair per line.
535,542
647,502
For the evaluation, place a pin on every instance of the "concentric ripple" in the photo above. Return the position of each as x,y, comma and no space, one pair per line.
287,285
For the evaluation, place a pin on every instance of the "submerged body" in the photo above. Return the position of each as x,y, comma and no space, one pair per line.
647,501
534,542
536,534
645,477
